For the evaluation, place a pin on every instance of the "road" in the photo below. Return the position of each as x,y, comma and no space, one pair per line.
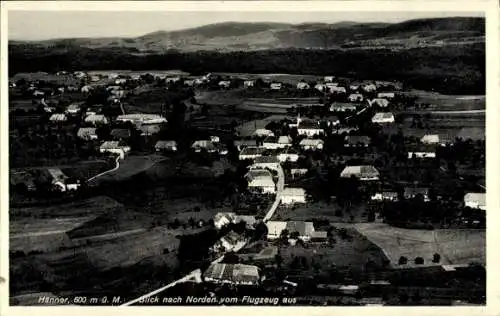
106,172
196,274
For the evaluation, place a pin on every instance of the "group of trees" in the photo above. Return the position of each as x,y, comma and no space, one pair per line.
436,258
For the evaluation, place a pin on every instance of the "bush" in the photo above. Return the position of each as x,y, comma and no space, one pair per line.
403,260
419,260
436,258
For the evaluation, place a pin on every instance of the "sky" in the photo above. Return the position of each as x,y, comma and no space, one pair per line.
40,25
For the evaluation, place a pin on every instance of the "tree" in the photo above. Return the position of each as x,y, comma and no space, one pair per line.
419,260
231,258
279,260
436,258
294,235
403,260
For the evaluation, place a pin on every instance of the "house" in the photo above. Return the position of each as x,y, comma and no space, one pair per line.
369,87
57,178
94,109
362,172
354,87
38,93
120,81
166,145
410,193
173,79
436,139
262,132
298,172
319,236
96,119
214,139
344,130
73,108
383,103
206,145
475,200
357,141
422,151
251,152
114,147
303,86
275,228
149,129
87,133
141,118
288,154
311,144
225,84
242,143
248,83
236,274
320,87
386,95
270,162
275,86
121,133
309,129
230,242
58,118
273,142
223,219
355,97
336,89
249,220
383,117
385,196
293,195
342,107
328,78
330,121
86,89
261,183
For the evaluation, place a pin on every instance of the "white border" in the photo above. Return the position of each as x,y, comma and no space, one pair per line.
490,8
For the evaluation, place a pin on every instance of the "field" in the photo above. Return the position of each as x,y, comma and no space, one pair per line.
129,167
442,102
353,252
319,210
454,246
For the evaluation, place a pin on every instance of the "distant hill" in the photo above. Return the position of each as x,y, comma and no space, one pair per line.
236,36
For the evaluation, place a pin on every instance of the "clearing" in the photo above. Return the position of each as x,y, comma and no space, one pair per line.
456,246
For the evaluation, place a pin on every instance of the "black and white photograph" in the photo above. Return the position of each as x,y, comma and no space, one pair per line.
245,158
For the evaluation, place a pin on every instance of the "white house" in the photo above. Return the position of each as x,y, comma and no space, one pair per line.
120,81
422,151
225,84
251,152
58,117
328,78
86,89
369,87
114,147
200,145
274,229
353,87
475,200
385,196
362,172
262,132
230,242
60,180
410,193
262,184
293,195
430,139
173,79
223,219
275,86
298,172
342,107
248,83
87,133
336,89
383,117
263,162
355,97
288,154
141,118
273,142
166,145
38,93
320,87
303,86
96,119
304,229
331,121
357,141
309,129
189,83
383,103
73,108
386,95
237,274
313,144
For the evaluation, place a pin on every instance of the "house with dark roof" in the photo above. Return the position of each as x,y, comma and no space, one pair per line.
412,192
357,141
237,274
121,133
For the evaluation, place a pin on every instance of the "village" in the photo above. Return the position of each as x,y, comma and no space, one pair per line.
329,187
